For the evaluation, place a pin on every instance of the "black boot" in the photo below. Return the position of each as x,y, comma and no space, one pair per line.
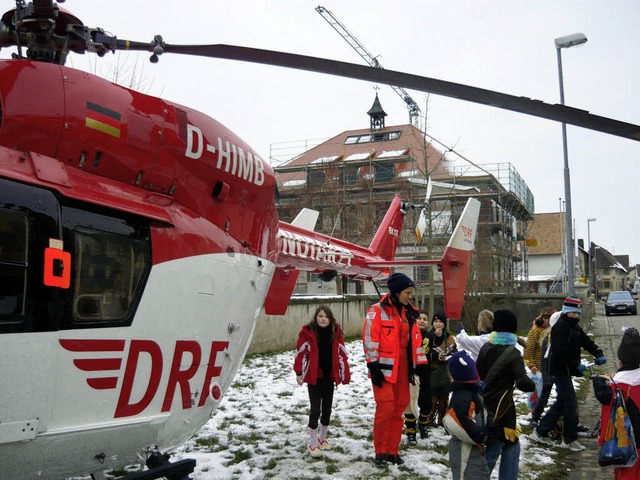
410,428
395,459
423,426
380,460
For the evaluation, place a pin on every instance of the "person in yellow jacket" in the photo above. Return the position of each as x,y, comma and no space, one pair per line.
393,351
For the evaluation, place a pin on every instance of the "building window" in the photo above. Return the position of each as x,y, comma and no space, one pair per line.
383,172
350,175
316,178
376,137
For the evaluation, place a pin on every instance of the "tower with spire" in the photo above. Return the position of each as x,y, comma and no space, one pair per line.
377,114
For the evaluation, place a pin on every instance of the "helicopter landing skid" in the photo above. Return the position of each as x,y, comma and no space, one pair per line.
179,470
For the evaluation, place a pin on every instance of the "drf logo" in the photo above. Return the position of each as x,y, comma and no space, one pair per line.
394,232
89,356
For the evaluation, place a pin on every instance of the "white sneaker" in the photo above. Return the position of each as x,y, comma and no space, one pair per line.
315,452
574,446
540,439
324,445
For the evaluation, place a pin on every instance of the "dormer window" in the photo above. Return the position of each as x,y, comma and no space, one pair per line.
375,137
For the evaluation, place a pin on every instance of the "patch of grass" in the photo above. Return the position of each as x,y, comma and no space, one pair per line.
522,409
273,463
240,456
285,393
332,466
352,434
563,459
208,442
442,449
249,438
120,472
249,385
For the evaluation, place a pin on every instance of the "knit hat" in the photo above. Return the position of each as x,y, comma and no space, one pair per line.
463,368
505,321
397,282
572,304
629,349
440,316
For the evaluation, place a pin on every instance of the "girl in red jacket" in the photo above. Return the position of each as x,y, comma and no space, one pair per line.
627,379
321,361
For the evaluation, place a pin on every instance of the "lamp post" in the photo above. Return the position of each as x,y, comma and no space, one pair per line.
567,42
589,220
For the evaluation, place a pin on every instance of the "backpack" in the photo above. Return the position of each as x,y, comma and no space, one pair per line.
619,445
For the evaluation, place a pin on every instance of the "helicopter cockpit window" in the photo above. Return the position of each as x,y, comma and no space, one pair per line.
13,264
109,271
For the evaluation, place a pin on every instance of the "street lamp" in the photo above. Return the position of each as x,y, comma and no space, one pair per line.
589,220
567,42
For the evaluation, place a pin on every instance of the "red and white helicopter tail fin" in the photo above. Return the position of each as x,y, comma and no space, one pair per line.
456,260
385,241
284,280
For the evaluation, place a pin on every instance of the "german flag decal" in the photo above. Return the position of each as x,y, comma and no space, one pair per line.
102,119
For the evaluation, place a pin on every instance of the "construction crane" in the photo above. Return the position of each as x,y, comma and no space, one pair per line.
412,106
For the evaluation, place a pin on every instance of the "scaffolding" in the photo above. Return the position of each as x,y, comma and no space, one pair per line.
352,204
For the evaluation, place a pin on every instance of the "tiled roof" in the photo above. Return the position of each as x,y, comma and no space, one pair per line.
411,143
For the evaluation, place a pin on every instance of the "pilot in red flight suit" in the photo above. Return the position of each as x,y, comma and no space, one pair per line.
393,350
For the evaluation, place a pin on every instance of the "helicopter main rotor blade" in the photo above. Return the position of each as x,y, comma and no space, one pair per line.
528,106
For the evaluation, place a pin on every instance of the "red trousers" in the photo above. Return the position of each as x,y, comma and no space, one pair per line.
391,401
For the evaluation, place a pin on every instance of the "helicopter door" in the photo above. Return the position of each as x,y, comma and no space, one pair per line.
33,272
34,266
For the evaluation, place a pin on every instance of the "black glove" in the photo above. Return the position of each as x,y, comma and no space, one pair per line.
459,327
377,377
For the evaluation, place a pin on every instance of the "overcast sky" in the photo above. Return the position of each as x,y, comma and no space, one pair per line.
498,45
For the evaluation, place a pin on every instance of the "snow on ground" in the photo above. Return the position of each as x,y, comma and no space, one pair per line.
260,430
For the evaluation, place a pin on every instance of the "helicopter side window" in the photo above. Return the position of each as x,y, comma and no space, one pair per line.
109,272
13,264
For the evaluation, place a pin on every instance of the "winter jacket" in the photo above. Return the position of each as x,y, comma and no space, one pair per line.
533,351
467,408
567,339
471,343
306,362
628,381
381,337
440,378
508,372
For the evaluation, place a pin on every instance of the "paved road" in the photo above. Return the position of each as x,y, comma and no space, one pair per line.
607,332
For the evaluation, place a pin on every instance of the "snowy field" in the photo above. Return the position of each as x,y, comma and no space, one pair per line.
260,431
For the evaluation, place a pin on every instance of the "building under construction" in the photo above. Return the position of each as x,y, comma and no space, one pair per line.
352,178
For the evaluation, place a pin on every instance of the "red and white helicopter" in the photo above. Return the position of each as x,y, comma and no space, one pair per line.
126,224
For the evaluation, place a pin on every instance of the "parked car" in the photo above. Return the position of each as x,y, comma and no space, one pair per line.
620,302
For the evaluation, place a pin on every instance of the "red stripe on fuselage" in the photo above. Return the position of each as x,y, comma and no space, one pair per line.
107,383
92,345
98,364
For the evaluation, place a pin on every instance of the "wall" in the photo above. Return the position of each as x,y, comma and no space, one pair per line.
544,264
278,333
